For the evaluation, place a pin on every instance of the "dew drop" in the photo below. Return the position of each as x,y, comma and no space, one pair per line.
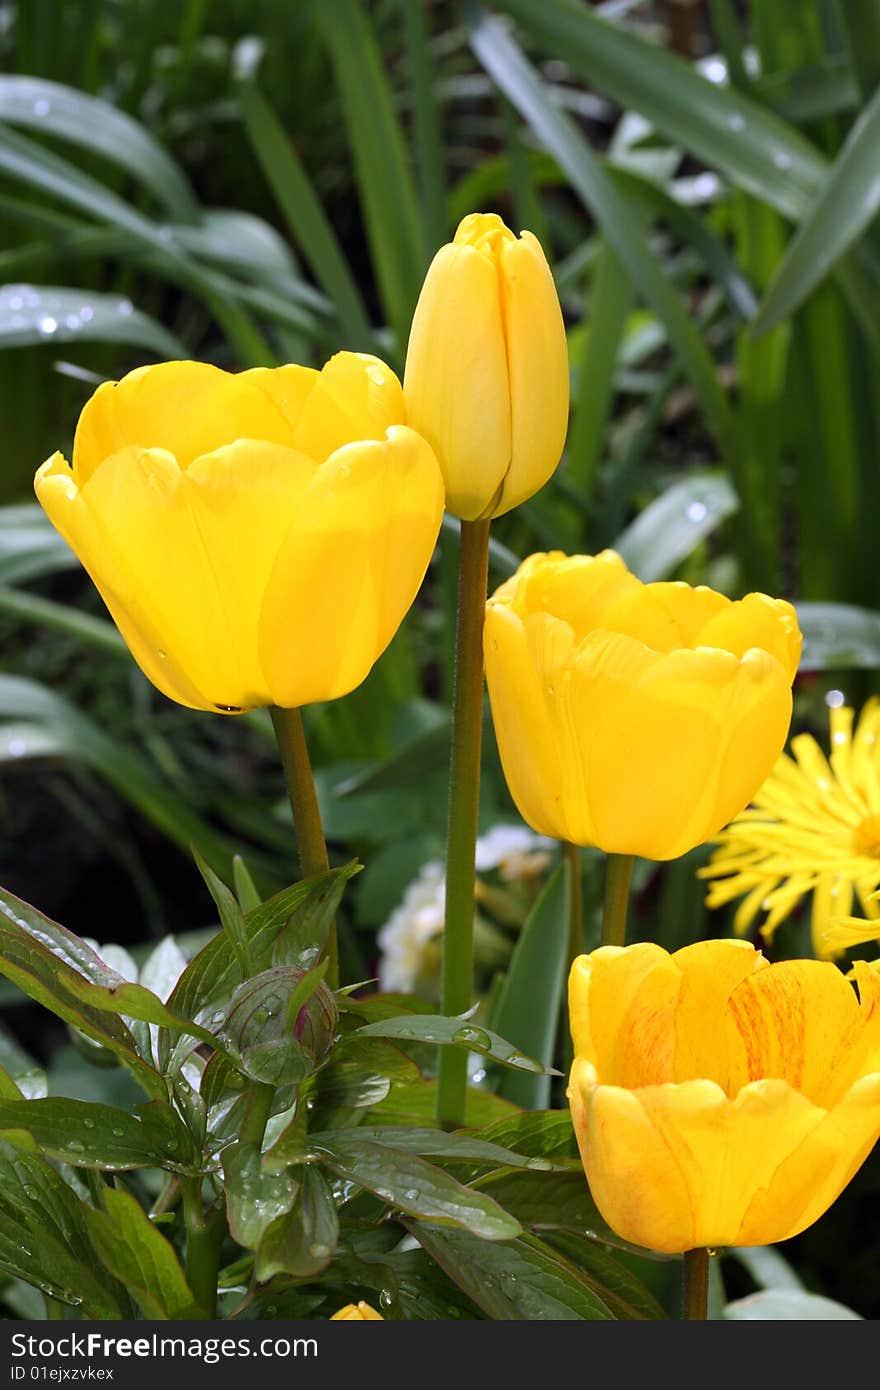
473,1037
539,1165
125,307
117,1133
229,709
47,325
161,655
410,1194
782,160
735,121
318,1250
72,321
75,1146
16,748
86,313
33,1193
89,1124
697,512
42,107
386,1298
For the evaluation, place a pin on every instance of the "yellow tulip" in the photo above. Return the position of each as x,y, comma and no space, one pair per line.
487,376
357,1312
257,537
718,1099
637,717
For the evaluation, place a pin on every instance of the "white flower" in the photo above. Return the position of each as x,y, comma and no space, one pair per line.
408,941
514,850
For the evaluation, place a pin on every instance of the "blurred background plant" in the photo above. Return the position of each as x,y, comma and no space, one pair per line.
254,183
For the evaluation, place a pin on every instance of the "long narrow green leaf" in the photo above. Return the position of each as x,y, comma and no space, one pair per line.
507,65
669,528
100,128
730,132
304,213
55,314
610,304
528,1007
385,181
847,203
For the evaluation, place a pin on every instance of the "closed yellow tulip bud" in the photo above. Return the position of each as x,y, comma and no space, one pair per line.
486,378
637,717
257,537
718,1099
357,1312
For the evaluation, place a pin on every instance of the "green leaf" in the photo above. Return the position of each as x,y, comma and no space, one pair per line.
301,1241
453,1032
788,1305
672,526
231,916
610,303
512,1280
616,1285
412,1185
44,1237
723,128
556,1201
767,1266
528,1006
133,1249
845,206
538,1133
385,184
245,888
53,314
613,211
304,214
255,1196
20,1076
51,966
258,1030
838,635
87,1135
30,546
416,1103
101,129
435,1143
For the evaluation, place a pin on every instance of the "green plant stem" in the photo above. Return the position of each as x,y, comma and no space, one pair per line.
464,797
292,746
572,855
618,872
695,1284
204,1236
257,1109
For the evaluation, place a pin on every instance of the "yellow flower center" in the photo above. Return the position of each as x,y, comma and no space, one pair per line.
866,837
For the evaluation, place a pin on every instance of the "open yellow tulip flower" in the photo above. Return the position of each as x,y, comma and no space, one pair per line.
718,1099
257,537
487,377
636,717
357,1312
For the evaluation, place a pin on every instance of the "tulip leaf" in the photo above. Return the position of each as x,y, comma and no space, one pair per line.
512,1280
44,314
453,1032
30,546
302,1240
44,1237
410,1184
838,635
527,1008
100,128
89,1135
137,1253
788,1305
672,526
255,1196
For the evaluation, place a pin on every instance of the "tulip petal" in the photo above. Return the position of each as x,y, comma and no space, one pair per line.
663,616
757,621
622,1003
537,360
349,567
710,972
354,396
185,408
455,383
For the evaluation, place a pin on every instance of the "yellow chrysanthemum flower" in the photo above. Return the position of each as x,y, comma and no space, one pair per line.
813,828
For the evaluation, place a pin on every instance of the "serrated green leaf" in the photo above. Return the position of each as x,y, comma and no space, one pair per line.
137,1253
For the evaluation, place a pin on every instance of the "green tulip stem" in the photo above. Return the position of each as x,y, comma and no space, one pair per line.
572,854
464,797
292,746
695,1284
618,872
204,1237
